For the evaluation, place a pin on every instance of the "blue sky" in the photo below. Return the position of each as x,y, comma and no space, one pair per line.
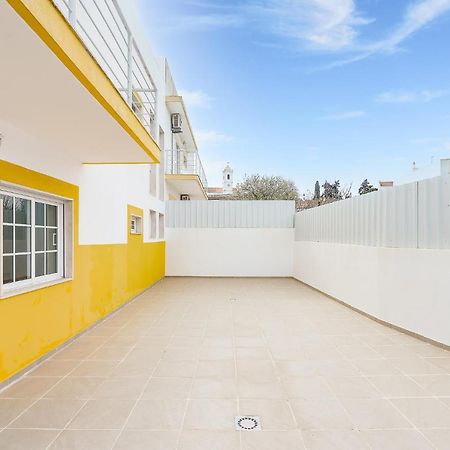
311,89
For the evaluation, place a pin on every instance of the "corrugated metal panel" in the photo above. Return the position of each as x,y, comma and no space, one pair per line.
230,214
415,215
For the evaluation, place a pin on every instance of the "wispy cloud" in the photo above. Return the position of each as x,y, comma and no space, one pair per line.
402,96
211,137
417,16
196,99
346,115
320,24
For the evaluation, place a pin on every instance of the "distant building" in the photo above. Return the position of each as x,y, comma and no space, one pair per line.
224,192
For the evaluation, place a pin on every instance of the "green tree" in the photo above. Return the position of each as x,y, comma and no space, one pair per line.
263,187
317,191
366,187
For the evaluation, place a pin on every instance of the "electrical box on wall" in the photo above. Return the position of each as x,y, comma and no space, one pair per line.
185,197
136,225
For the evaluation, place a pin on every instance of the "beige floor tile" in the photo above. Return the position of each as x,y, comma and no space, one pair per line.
54,368
256,371
274,414
85,440
75,387
175,369
250,353
168,388
126,388
216,354
374,414
441,363
110,353
352,387
223,369
398,386
334,440
210,414
271,390
424,412
157,414
147,440
435,384
321,414
134,368
214,388
439,438
297,368
48,413
417,366
93,368
209,440
10,408
272,440
29,387
26,439
250,341
396,440
102,414
181,354
307,387
377,367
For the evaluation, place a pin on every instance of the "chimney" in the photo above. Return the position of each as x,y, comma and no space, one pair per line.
445,166
386,184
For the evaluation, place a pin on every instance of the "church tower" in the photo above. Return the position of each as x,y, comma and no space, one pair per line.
227,179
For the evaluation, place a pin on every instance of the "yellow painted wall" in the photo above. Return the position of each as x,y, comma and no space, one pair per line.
104,277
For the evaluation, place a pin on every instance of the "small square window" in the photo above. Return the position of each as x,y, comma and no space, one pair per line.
136,225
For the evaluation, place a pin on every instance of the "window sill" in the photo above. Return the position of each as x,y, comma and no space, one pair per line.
36,287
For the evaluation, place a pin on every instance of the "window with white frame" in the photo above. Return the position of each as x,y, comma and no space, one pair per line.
32,244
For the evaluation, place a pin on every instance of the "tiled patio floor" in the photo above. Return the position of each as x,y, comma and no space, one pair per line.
174,368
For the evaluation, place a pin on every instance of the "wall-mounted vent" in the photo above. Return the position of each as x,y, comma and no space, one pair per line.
176,123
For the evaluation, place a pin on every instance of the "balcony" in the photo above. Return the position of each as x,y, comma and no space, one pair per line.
83,58
185,173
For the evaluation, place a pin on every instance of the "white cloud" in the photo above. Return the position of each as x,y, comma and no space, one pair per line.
205,22
321,24
402,96
211,137
196,99
346,115
418,15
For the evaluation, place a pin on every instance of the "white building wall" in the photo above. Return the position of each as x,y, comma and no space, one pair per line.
229,252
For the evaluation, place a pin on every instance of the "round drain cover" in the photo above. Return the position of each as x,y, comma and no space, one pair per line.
247,423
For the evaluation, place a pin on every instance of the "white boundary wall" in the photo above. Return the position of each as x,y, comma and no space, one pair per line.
230,238
385,253
409,288
229,252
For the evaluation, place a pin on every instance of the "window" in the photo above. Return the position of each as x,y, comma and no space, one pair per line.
153,220
32,246
136,225
161,226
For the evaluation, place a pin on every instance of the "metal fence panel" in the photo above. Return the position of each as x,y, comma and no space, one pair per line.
414,215
230,214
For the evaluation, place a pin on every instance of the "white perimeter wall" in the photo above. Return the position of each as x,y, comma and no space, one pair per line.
409,288
240,252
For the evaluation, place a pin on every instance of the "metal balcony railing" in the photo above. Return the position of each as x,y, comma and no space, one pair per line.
102,27
183,162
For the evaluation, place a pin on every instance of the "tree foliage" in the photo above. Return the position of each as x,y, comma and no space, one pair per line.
331,192
317,191
263,187
366,187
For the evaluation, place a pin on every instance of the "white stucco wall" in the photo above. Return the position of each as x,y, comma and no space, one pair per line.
409,288
240,252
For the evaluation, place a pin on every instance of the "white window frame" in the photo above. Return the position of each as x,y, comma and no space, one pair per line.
35,282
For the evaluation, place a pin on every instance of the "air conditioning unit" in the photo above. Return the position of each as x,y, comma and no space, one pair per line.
185,197
176,123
